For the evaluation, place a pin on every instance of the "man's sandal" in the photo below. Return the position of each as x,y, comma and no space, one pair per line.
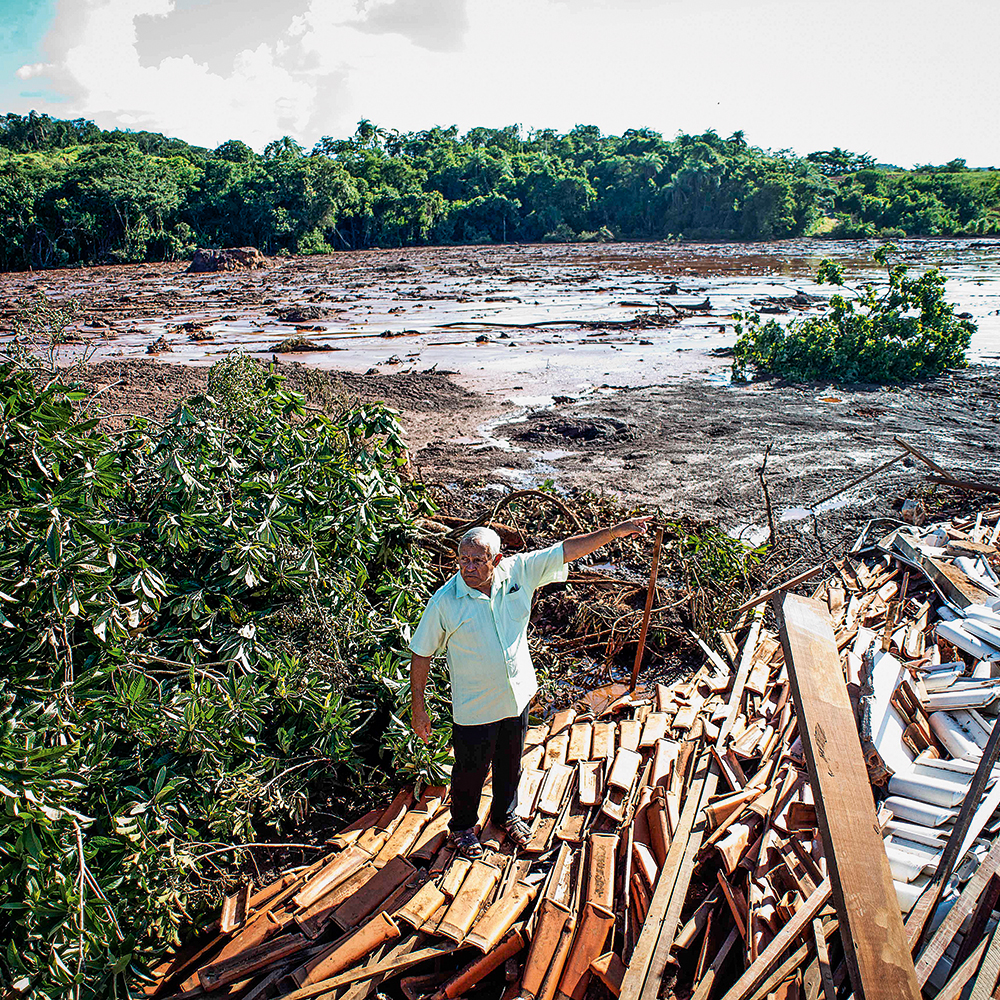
518,831
467,843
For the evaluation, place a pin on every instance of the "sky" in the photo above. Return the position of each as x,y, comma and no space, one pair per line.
908,81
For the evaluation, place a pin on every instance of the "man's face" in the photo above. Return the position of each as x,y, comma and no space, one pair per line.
477,565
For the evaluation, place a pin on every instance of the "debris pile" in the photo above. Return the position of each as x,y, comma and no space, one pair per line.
227,259
713,838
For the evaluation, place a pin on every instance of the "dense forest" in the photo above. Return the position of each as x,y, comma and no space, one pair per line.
72,193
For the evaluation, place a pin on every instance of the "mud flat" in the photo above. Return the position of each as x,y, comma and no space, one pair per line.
599,367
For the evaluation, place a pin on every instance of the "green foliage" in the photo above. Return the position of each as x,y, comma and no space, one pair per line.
202,623
71,193
901,332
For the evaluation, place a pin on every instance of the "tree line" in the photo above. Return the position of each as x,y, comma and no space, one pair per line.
72,193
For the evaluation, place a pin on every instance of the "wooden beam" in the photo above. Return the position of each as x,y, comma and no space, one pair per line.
739,682
766,961
989,971
640,972
960,909
796,960
766,595
879,957
703,990
672,920
964,484
648,610
859,480
929,462
955,847
946,578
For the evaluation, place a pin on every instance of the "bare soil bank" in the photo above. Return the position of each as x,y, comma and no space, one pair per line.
687,447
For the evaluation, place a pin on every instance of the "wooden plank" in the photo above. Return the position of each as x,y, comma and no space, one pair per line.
647,610
929,462
742,672
766,595
956,982
704,989
766,961
682,881
823,958
964,484
791,964
367,972
240,966
949,581
879,962
640,972
989,971
961,908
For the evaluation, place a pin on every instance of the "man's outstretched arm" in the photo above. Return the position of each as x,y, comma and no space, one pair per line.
420,667
582,545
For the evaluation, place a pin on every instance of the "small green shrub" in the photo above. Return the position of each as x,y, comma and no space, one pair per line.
892,334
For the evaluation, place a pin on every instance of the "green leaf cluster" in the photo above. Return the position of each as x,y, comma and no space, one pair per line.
202,625
902,331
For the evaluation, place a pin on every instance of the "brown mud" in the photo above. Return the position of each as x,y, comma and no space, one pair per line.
597,367
691,447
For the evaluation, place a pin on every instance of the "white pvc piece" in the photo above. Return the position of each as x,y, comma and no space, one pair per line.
980,612
939,680
936,791
887,725
863,640
947,665
920,813
981,630
907,893
983,670
966,768
958,635
946,614
908,859
904,867
954,737
974,571
964,697
935,837
979,727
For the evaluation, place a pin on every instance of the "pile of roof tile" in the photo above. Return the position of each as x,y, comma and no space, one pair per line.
713,838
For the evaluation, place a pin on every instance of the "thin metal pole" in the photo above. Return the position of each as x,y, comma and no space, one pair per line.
650,594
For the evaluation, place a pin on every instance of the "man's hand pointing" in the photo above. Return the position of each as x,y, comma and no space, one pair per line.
634,526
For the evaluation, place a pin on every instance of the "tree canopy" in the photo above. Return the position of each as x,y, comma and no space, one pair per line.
72,193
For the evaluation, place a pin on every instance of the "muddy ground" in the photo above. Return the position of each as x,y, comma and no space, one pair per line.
598,367
689,447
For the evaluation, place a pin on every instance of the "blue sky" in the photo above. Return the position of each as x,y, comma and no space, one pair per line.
909,81
23,26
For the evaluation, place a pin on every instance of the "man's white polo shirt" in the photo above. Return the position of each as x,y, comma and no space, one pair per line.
485,639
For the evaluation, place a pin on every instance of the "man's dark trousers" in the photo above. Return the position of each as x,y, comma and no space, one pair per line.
476,747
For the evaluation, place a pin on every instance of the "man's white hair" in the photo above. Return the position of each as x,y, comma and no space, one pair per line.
485,538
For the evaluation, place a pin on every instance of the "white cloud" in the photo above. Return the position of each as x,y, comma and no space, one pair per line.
34,69
892,78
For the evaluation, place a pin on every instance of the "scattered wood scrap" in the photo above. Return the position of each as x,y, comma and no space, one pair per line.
691,840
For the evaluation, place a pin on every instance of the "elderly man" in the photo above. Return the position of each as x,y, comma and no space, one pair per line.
479,619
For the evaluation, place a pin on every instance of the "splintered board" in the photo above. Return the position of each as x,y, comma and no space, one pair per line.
879,961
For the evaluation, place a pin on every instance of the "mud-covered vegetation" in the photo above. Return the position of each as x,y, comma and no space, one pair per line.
896,332
72,193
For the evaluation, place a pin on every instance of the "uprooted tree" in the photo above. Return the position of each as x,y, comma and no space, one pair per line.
899,332
201,624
